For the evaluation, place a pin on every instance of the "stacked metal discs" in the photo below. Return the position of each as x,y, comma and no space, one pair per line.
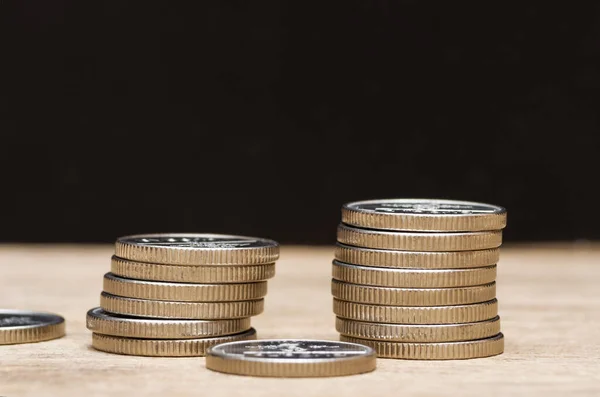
179,294
415,278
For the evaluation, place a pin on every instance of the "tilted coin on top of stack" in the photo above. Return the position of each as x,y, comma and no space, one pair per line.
179,294
415,278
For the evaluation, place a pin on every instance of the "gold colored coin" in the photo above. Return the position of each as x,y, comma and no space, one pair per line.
416,259
24,326
291,358
409,241
197,249
183,292
418,332
412,296
101,322
434,351
413,278
416,314
188,310
217,274
432,215
163,347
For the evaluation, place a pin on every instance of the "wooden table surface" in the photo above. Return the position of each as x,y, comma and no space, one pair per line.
549,303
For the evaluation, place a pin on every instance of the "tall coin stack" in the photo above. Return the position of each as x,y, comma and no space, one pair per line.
415,278
176,295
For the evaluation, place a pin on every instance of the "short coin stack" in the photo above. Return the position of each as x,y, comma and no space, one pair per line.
415,278
176,295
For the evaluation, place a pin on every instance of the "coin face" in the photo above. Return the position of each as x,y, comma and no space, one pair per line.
24,319
425,207
18,326
290,350
198,241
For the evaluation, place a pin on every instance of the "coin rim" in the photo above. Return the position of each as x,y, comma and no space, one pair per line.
435,312
387,258
129,286
116,322
149,305
419,241
383,276
439,329
377,292
251,334
499,338
158,268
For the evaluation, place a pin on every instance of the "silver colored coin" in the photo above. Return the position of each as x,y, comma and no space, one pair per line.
18,318
101,322
199,241
424,215
425,207
197,249
412,278
291,358
17,326
289,349
418,241
183,292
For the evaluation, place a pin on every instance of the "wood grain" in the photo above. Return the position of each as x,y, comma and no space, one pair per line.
549,303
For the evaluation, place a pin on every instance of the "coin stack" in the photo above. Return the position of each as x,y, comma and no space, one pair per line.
415,278
174,295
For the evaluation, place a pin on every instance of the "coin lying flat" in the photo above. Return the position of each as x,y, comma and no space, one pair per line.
408,241
101,322
182,292
418,332
424,215
188,310
435,351
412,296
192,274
416,314
197,249
21,326
291,358
413,278
416,259
163,347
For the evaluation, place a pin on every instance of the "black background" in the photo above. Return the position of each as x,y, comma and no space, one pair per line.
263,118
